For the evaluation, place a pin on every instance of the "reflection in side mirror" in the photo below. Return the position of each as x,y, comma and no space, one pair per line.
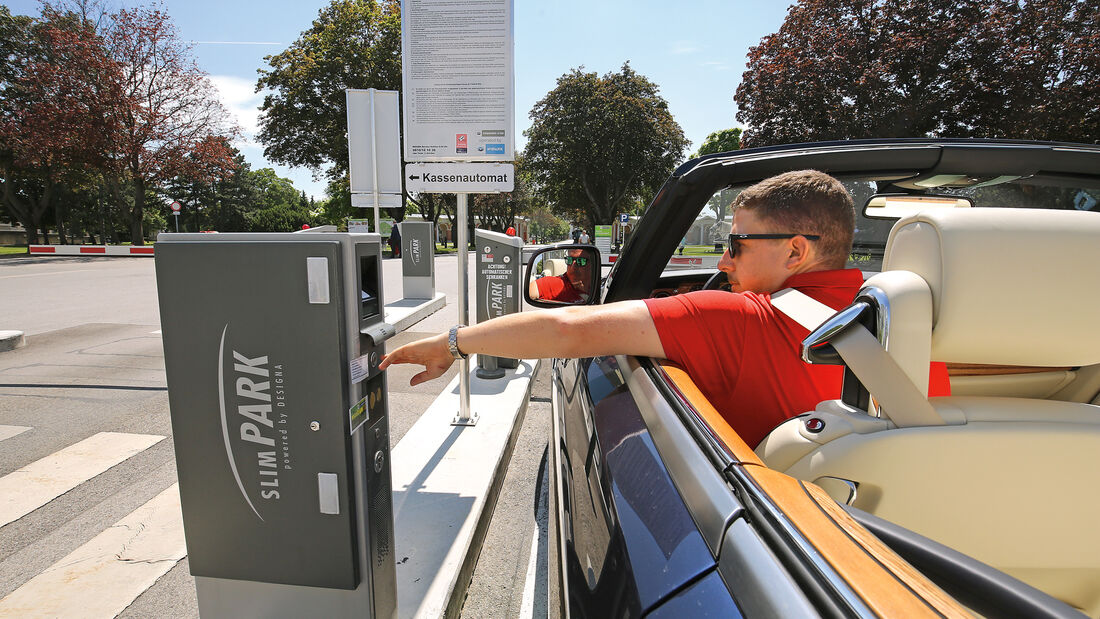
563,275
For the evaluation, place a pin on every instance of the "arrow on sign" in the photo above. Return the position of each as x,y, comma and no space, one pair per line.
414,177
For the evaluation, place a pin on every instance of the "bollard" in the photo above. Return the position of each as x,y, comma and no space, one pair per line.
499,273
417,259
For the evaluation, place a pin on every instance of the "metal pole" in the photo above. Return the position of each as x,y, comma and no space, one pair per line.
177,214
465,417
374,159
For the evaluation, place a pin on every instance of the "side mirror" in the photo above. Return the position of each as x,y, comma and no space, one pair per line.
563,275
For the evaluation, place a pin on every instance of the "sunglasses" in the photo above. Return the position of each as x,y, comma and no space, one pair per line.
734,238
581,262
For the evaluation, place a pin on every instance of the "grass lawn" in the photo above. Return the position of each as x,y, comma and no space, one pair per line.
700,250
14,250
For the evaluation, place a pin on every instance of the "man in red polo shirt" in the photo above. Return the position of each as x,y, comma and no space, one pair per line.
570,287
793,230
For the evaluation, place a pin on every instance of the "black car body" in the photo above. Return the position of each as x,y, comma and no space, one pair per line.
657,511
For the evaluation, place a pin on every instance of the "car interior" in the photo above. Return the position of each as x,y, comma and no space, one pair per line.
1004,469
989,492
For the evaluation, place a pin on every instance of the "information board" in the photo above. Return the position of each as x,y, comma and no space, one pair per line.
359,225
458,77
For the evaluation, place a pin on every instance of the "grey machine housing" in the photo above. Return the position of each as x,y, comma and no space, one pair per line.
280,420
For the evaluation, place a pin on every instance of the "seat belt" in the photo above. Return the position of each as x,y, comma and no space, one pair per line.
904,403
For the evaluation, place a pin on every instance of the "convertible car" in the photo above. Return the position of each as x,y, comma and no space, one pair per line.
981,254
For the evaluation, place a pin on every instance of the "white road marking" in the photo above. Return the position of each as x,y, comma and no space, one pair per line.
527,605
38,483
104,576
7,432
45,273
157,332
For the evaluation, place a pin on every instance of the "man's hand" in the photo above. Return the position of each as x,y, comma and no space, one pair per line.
432,353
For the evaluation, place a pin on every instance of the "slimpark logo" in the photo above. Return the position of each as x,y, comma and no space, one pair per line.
248,427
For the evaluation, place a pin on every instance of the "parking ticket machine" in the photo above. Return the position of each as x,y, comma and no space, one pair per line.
280,422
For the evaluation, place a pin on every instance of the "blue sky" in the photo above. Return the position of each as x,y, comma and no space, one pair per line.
694,50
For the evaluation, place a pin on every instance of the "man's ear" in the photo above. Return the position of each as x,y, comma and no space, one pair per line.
801,252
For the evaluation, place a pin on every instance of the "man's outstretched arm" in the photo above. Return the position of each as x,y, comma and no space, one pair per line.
623,328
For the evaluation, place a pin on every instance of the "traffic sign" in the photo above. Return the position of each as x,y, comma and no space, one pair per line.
624,218
460,177
175,207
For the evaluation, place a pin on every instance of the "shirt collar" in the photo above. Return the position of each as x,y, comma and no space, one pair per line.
832,278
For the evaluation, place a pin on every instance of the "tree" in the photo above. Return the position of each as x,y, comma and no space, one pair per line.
595,142
57,83
546,226
498,211
721,141
168,116
352,44
171,121
903,68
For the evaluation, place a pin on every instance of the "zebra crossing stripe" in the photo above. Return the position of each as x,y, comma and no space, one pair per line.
38,483
7,432
104,576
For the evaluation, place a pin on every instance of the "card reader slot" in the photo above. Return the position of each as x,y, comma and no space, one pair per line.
379,332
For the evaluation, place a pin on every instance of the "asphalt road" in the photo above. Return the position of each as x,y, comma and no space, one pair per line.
93,364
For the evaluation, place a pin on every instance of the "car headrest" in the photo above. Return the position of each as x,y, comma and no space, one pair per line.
1009,286
554,266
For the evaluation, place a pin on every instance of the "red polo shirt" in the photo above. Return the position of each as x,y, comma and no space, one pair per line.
557,288
745,355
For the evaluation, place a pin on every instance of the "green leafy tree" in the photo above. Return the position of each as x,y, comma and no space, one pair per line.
218,198
499,211
907,68
595,142
721,141
281,207
545,225
351,44
336,208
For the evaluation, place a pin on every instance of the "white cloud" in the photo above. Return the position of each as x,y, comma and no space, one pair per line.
239,97
237,43
684,47
715,65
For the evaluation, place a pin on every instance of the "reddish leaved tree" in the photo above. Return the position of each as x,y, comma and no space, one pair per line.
842,69
168,118
56,121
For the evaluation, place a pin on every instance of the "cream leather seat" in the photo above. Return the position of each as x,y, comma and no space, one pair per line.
1013,482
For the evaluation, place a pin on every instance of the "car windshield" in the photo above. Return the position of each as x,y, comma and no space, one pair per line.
713,223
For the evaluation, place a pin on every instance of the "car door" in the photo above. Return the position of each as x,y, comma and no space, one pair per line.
627,540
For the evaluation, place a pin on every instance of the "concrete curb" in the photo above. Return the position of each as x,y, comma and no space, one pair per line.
446,480
10,340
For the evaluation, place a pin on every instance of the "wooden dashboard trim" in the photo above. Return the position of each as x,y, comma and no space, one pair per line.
986,369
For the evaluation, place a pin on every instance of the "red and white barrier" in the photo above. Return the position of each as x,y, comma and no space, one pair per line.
91,250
